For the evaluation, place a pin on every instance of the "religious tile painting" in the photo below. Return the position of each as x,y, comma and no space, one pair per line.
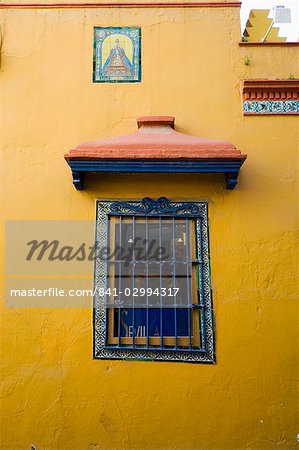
117,55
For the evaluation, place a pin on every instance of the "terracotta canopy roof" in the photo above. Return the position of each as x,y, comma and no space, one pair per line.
156,139
155,148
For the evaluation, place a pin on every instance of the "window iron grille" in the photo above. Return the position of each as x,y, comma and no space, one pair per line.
153,296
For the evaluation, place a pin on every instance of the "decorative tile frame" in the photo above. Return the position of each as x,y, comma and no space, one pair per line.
158,208
100,35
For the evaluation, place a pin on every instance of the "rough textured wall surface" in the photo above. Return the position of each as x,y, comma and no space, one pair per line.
55,395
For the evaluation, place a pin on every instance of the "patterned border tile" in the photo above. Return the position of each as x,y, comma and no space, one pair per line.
271,107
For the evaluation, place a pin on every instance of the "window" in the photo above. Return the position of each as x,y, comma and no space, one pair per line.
152,281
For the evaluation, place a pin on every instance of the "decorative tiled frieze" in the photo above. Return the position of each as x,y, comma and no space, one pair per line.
270,97
270,107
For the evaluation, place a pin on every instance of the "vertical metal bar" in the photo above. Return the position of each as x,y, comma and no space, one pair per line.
133,282
188,281
106,283
202,300
174,283
146,282
119,280
160,284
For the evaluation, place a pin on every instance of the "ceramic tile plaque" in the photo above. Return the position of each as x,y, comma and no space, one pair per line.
117,55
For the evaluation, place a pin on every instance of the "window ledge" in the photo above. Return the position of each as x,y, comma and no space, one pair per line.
269,44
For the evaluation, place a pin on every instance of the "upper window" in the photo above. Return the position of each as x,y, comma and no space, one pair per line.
152,281
265,21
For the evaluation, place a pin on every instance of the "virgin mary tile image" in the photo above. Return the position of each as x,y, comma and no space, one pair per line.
117,54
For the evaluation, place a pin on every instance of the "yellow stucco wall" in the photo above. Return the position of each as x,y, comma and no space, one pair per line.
55,395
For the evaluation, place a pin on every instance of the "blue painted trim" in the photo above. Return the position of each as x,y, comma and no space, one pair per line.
230,168
156,166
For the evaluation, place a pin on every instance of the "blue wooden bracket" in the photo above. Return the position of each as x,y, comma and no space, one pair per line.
80,167
231,179
78,179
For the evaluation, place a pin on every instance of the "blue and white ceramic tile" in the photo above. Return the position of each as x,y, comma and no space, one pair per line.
271,107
